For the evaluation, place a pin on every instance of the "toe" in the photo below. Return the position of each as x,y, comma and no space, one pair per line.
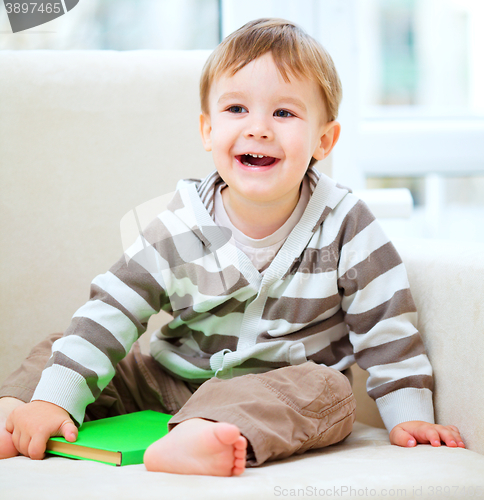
227,433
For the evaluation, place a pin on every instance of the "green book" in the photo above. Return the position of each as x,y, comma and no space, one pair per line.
118,440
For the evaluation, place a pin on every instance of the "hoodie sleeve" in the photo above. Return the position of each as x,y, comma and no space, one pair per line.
103,330
382,321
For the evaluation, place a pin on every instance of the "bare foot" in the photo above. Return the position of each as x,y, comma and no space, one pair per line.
7,405
198,446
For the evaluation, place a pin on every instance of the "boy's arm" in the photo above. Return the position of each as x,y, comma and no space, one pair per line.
382,321
32,424
103,330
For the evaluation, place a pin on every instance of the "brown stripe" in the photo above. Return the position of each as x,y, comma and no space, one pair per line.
210,344
296,310
135,277
202,186
391,352
401,303
209,283
160,238
203,363
314,177
333,353
377,263
315,261
99,337
176,203
98,293
167,246
326,212
58,358
231,306
357,219
306,331
259,363
416,381
212,284
207,186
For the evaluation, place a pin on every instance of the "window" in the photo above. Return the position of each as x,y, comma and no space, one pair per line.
412,73
422,109
123,25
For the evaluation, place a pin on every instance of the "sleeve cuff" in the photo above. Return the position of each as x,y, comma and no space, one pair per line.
405,405
64,388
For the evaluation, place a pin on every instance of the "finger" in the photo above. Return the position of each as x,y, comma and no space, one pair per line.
432,437
458,437
69,431
455,436
448,436
9,424
401,437
36,448
23,443
15,441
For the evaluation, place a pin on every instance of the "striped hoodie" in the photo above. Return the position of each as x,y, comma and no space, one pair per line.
336,293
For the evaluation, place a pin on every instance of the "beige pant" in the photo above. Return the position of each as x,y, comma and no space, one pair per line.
282,412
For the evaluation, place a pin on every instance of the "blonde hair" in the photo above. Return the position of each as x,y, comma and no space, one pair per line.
294,52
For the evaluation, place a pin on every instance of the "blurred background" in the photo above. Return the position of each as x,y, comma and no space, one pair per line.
412,73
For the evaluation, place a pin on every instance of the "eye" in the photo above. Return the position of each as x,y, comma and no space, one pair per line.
237,109
283,113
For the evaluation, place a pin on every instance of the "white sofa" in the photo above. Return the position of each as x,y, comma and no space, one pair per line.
87,136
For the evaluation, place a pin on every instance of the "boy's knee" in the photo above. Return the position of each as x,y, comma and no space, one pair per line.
315,389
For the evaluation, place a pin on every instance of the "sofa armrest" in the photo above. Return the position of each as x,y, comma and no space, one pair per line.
447,282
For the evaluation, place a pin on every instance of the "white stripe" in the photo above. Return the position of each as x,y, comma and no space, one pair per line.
112,319
385,331
361,246
306,286
344,363
166,356
182,221
377,291
317,342
334,220
87,355
281,326
382,374
148,258
125,295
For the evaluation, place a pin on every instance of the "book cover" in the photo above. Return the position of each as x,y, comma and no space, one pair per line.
120,440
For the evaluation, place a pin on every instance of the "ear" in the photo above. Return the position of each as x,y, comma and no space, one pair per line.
206,131
329,137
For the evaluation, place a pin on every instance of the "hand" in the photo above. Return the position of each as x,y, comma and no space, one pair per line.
32,424
408,434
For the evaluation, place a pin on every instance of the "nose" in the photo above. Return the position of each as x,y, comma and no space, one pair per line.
258,128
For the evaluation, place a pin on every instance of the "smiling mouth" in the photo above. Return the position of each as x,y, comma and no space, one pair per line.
255,160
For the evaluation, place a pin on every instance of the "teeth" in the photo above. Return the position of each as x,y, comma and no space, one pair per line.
255,156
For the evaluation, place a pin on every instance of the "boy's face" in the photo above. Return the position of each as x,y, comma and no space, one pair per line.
256,112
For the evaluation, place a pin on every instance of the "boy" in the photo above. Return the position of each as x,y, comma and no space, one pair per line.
251,371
